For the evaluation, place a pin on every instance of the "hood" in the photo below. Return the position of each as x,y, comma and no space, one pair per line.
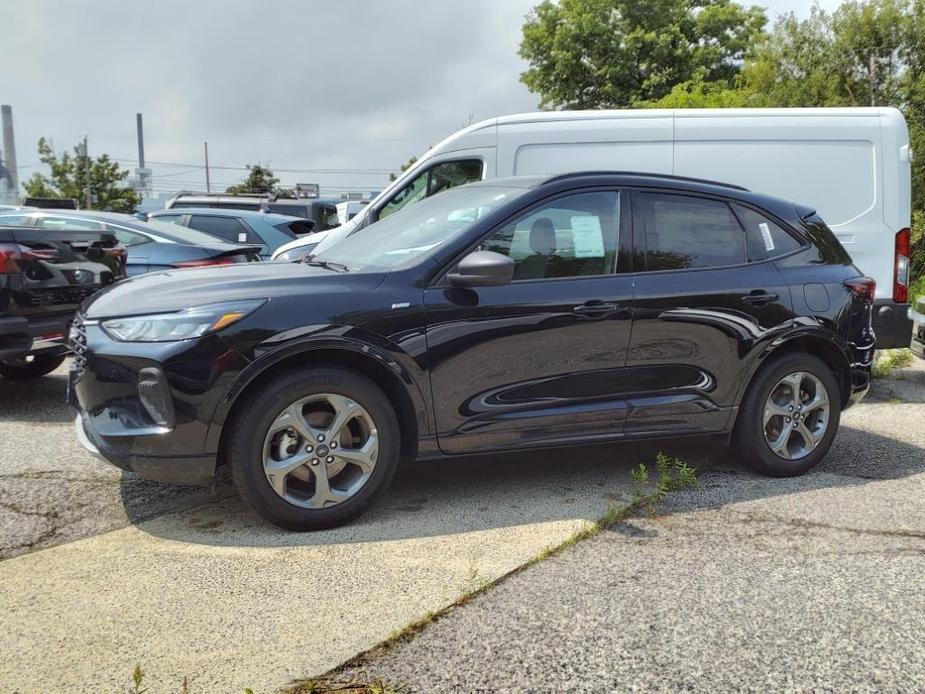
174,290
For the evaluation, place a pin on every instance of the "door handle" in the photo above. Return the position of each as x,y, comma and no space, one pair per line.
595,308
759,297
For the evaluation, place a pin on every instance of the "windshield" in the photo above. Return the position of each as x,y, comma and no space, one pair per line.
405,237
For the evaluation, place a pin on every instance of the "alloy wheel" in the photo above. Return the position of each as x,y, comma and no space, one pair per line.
320,450
796,415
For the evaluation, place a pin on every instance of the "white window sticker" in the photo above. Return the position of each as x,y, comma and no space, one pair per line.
242,237
766,235
587,236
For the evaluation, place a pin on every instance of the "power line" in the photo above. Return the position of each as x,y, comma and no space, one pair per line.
274,169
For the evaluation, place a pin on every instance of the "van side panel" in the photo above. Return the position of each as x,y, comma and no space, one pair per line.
637,142
830,163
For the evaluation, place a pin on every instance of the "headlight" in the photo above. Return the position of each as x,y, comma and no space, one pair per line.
180,325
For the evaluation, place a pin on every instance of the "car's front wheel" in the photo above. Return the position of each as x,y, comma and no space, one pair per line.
789,417
314,448
31,366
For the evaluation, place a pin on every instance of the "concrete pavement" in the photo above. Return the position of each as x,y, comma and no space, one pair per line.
747,584
215,595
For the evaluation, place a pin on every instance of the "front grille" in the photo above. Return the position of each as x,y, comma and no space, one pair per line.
78,341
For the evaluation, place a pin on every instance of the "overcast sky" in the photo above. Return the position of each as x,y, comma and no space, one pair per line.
350,85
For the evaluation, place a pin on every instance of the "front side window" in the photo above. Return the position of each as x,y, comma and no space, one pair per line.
454,173
169,218
683,232
575,235
70,224
438,178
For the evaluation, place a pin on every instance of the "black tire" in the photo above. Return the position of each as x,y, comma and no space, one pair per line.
24,369
250,426
749,440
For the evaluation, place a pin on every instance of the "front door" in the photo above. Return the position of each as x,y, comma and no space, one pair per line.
707,293
538,361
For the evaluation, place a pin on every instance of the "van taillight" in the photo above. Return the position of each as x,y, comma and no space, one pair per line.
901,267
862,287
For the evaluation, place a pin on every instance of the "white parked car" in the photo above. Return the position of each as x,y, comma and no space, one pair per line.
852,165
917,314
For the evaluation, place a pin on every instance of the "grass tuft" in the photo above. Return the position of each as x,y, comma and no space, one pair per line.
888,359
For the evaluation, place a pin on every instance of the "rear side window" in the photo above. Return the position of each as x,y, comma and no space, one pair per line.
296,228
227,228
129,238
170,218
683,232
764,238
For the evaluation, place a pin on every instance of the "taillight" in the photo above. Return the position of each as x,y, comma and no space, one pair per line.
9,258
206,262
862,287
901,267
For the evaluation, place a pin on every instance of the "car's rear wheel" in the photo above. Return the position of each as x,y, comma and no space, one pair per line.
31,366
314,448
789,417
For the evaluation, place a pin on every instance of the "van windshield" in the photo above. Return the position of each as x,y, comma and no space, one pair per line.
404,238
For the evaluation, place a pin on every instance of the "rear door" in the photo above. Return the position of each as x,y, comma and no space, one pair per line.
700,307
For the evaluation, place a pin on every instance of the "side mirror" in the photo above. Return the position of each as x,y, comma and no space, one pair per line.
483,269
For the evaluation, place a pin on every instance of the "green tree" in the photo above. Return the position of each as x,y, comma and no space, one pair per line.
260,179
68,179
404,167
615,53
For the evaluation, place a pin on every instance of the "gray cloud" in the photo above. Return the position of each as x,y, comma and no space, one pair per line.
298,84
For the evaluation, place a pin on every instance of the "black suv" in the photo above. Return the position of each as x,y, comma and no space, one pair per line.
501,315
44,276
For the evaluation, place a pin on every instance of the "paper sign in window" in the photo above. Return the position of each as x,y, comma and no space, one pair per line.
766,235
588,237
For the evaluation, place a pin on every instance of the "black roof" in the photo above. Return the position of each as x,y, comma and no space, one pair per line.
783,209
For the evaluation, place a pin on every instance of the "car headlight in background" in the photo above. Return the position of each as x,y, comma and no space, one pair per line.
180,325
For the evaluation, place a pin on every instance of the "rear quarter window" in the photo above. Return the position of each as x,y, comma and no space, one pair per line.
764,238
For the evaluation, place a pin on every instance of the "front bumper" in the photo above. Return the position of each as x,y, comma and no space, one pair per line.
171,469
115,421
20,337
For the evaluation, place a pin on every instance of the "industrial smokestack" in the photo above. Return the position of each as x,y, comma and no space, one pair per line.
9,148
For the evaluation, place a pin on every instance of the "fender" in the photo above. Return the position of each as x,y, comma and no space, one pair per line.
314,338
802,328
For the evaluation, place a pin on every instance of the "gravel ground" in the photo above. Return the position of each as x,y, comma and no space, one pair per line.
746,584
51,491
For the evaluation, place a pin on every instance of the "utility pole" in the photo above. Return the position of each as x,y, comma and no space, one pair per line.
208,185
84,152
142,175
9,149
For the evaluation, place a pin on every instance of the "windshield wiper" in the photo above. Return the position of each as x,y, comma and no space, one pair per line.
326,264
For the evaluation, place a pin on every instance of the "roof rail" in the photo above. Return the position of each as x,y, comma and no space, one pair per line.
641,174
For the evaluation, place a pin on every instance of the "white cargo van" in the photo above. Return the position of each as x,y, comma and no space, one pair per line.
851,164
